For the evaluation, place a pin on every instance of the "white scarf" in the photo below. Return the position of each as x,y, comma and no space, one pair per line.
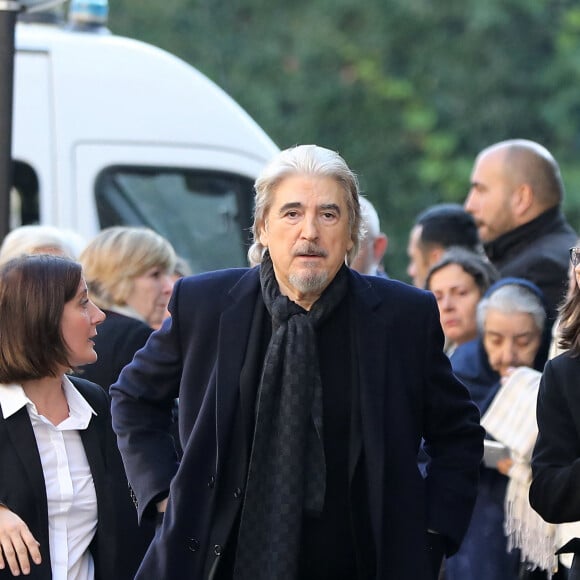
511,420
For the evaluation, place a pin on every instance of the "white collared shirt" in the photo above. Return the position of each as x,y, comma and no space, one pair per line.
70,491
127,311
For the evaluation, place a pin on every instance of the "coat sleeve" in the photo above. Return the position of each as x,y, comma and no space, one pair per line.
453,440
142,410
556,458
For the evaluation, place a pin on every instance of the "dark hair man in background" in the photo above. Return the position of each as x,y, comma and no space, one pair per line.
437,228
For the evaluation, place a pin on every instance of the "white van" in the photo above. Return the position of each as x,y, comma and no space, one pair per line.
108,131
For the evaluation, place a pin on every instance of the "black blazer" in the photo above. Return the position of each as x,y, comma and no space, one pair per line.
554,492
22,487
118,338
556,458
407,391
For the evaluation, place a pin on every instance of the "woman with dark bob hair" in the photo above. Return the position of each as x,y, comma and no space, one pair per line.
56,443
554,492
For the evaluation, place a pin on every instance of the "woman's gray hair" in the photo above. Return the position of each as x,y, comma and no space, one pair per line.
311,161
512,299
40,239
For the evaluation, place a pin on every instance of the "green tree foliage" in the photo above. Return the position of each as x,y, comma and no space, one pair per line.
407,90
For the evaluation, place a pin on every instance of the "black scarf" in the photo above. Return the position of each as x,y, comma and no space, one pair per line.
287,472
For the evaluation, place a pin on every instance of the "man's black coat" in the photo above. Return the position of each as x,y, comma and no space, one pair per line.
407,391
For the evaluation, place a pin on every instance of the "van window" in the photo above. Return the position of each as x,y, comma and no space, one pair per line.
24,203
206,215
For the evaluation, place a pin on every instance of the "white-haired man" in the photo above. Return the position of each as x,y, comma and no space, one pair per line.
374,242
304,391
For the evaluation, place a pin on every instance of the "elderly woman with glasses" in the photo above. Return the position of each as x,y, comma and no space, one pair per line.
554,492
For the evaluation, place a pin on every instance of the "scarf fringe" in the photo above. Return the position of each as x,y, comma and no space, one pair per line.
526,531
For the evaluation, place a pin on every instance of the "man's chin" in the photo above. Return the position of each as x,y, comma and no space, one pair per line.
309,281
484,235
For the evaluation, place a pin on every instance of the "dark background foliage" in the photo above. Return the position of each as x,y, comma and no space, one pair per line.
409,91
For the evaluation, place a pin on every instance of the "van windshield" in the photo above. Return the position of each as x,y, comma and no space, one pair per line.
205,215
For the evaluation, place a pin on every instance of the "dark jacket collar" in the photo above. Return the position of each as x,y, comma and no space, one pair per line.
551,220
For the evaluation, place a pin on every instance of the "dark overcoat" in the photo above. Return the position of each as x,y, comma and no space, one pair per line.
537,251
407,391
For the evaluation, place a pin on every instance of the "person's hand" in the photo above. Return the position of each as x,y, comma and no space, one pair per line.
504,465
17,544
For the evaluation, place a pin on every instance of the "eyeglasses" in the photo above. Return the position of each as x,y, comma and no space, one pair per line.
575,256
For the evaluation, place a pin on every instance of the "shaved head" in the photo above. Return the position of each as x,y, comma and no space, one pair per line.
529,162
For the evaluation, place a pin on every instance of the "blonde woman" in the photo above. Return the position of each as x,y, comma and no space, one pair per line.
128,272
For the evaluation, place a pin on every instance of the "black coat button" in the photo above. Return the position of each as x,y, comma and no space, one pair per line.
211,482
237,493
192,544
217,550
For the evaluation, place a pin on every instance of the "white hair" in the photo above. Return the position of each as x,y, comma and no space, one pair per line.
370,219
512,299
309,160
39,238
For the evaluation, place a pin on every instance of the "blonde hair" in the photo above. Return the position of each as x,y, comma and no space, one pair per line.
118,255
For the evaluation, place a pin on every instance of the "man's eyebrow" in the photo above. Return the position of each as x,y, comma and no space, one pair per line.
297,205
290,205
330,206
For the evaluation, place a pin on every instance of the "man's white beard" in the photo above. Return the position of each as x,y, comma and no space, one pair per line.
309,282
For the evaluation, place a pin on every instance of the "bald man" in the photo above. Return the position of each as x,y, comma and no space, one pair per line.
515,198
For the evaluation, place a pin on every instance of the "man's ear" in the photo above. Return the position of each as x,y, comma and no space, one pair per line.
434,255
263,233
380,246
350,245
522,200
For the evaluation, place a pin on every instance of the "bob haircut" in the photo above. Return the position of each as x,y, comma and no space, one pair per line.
512,298
116,256
310,161
482,271
33,292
